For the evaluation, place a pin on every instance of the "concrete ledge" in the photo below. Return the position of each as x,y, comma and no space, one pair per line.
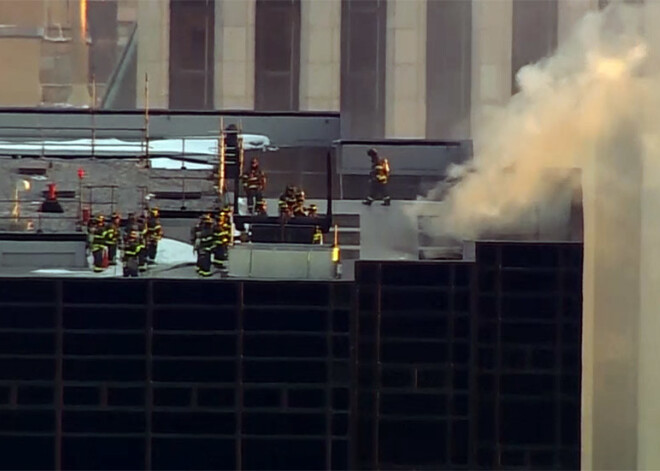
15,31
281,261
30,250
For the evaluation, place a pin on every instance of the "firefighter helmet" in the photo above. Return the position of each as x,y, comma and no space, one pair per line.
155,212
372,153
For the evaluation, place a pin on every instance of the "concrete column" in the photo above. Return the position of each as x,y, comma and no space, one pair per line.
234,54
320,66
610,323
153,55
80,93
492,23
405,69
648,424
621,378
569,14
611,311
21,53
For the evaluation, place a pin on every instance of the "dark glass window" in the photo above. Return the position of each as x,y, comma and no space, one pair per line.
448,69
192,24
534,33
363,32
277,55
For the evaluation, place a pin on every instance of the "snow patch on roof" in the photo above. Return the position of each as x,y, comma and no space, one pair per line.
174,164
192,146
173,252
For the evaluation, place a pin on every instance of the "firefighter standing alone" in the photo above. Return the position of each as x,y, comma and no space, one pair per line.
378,179
254,183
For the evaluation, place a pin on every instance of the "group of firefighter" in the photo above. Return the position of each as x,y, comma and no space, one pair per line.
133,242
292,201
211,239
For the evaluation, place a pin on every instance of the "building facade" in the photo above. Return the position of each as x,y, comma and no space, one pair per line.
394,68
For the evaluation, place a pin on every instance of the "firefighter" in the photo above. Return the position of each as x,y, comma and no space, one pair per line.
154,235
283,208
312,211
254,183
112,235
287,201
194,232
378,179
260,208
221,240
130,256
317,239
204,246
97,236
131,225
226,212
91,223
142,231
298,209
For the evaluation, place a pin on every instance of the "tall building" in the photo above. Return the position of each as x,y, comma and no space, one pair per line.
394,68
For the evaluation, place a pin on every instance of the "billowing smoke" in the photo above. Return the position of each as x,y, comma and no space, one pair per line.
569,106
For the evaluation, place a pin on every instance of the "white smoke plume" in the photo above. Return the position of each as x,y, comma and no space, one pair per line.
569,104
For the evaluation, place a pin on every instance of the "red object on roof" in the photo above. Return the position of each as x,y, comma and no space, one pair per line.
81,173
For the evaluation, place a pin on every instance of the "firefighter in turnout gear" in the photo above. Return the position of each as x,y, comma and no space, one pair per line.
318,236
154,235
131,225
299,204
254,183
113,238
130,256
142,239
225,212
97,242
221,240
194,233
260,208
378,179
287,201
312,211
204,246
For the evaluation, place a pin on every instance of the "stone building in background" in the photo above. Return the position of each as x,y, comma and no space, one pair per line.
394,68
